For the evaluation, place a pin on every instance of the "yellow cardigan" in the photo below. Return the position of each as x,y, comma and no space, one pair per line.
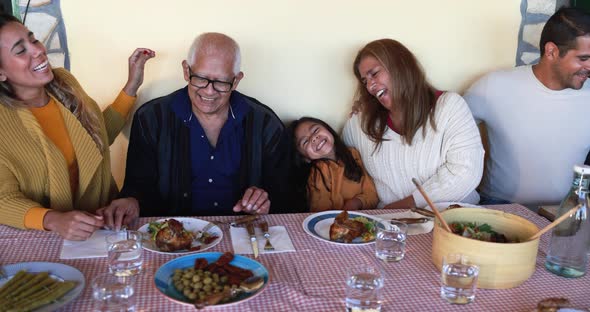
33,171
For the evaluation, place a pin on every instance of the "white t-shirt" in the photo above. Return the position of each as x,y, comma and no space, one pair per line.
536,135
447,162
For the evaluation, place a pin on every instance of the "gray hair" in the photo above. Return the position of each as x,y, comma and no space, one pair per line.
211,43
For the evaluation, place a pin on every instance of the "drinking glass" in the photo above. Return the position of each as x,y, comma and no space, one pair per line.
125,252
390,241
113,293
458,279
363,288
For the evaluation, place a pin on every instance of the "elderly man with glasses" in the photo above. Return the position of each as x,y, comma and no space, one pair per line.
208,149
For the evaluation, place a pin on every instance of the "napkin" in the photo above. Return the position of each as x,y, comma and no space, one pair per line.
279,238
413,229
93,247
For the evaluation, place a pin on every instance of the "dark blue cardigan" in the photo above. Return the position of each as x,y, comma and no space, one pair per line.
158,172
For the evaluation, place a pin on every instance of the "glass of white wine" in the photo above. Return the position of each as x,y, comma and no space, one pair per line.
458,279
363,288
113,293
125,253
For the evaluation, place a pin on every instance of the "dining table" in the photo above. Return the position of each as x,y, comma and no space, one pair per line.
312,278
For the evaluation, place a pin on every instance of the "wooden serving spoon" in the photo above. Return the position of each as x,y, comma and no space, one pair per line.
555,223
436,213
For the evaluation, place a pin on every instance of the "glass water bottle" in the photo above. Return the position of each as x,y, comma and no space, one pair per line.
570,240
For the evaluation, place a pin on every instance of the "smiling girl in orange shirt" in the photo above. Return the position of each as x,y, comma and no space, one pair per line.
332,173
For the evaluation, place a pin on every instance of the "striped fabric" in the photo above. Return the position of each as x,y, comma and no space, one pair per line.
33,171
313,278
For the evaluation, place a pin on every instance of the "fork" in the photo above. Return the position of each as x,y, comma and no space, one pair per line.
209,226
264,227
205,229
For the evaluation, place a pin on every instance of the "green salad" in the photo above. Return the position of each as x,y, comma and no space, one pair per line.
482,232
369,234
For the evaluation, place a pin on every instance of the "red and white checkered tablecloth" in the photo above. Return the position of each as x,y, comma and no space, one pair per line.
312,278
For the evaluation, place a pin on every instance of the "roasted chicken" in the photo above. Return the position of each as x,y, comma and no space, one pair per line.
344,229
170,235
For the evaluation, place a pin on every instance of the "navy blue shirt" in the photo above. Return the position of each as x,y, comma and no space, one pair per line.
214,170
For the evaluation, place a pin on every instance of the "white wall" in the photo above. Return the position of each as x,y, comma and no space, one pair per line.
296,54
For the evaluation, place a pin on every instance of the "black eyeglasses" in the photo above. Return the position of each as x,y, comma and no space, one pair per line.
202,82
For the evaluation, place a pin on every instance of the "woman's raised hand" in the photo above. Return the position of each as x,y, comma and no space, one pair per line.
136,68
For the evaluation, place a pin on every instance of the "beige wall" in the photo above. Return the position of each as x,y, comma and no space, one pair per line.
296,54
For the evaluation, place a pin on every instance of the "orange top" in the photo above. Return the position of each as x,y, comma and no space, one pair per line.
52,122
342,189
54,127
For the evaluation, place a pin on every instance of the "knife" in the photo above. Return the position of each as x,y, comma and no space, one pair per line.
423,212
244,219
411,220
253,241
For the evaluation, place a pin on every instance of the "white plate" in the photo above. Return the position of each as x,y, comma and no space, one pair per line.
318,225
190,224
56,270
444,205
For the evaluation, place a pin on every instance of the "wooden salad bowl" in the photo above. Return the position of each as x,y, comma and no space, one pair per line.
501,265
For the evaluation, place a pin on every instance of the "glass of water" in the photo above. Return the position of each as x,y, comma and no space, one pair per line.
124,251
390,241
363,288
113,293
458,279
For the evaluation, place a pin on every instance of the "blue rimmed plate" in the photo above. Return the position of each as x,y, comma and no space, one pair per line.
318,225
163,277
57,271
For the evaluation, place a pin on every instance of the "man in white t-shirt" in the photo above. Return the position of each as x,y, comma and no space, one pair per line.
537,117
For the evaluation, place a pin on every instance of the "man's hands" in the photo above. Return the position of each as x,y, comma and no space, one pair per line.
120,212
136,68
72,225
254,201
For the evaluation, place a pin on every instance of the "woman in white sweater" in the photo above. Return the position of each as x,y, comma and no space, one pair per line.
406,129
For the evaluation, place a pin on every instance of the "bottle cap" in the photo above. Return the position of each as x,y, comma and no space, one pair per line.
582,169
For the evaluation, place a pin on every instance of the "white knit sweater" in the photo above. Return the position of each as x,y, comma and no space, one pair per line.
448,162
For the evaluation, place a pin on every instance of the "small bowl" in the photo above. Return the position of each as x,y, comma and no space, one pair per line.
501,265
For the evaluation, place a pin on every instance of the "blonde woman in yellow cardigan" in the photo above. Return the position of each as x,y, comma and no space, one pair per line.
54,142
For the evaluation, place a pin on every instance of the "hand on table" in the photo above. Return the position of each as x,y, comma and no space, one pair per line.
255,201
353,204
405,203
120,212
72,225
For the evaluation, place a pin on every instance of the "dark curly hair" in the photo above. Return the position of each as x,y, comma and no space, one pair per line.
304,169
